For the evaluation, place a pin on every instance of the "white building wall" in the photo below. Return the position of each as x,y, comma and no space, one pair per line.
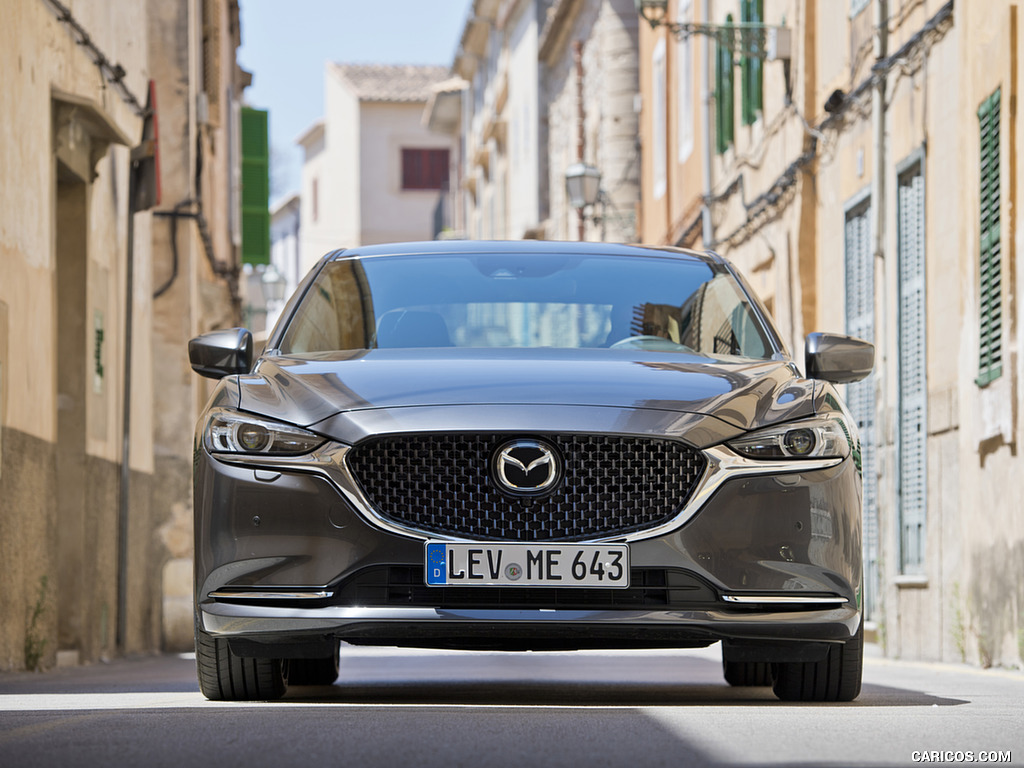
522,126
285,230
314,239
341,208
330,176
389,213
611,123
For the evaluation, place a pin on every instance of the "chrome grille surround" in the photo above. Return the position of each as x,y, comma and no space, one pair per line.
440,484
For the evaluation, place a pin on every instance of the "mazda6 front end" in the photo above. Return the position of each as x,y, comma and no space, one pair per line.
527,446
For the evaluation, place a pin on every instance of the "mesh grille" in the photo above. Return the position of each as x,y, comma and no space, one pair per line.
441,484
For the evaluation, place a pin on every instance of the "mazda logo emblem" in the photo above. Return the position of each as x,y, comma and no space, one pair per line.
526,467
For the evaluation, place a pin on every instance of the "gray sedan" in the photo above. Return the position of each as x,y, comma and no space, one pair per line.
527,445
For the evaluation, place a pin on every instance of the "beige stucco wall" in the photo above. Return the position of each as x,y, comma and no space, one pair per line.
968,602
991,583
67,540
966,605
608,30
196,300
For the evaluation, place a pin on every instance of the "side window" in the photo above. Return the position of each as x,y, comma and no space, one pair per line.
717,321
332,315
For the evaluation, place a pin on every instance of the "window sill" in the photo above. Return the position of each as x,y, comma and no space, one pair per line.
911,581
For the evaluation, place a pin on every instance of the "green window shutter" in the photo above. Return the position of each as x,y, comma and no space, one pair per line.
990,362
255,214
751,67
757,76
720,143
724,96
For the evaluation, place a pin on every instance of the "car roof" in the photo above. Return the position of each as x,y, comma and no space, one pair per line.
554,247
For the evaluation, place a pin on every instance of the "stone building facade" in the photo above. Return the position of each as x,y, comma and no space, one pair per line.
521,117
866,183
196,240
608,72
94,495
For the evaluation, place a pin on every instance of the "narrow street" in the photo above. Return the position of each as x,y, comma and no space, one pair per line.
399,707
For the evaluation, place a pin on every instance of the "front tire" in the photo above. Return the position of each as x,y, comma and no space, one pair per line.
224,676
837,677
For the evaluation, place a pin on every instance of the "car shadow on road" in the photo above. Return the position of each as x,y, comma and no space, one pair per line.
633,679
560,679
559,693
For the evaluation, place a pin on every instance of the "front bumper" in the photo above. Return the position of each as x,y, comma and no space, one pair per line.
762,558
525,629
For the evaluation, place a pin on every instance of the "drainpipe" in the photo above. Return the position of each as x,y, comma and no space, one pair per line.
577,54
878,133
126,413
707,233
878,229
878,178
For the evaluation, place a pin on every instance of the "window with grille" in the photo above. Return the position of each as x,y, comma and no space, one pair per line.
724,97
990,360
424,169
860,396
913,363
751,67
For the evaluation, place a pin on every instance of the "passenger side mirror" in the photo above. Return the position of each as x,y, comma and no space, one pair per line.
221,353
837,358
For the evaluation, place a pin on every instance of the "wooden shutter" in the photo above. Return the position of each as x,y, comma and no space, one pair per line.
912,453
860,396
990,363
424,169
751,67
255,187
724,97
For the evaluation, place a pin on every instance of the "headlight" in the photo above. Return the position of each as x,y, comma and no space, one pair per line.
820,438
234,432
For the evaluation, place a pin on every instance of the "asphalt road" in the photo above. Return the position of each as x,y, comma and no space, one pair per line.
396,707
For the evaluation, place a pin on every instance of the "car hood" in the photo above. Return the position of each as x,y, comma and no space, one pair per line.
310,389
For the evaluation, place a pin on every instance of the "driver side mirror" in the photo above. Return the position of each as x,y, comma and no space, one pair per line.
221,353
837,358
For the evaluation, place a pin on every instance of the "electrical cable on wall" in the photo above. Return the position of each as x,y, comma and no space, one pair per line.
769,205
112,72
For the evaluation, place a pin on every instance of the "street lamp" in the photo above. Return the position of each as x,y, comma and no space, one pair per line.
652,11
583,185
273,285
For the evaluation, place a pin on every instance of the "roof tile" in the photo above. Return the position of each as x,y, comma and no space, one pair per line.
390,82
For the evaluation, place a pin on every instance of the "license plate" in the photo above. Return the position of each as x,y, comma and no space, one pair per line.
450,564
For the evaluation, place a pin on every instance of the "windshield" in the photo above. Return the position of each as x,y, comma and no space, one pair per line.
525,301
